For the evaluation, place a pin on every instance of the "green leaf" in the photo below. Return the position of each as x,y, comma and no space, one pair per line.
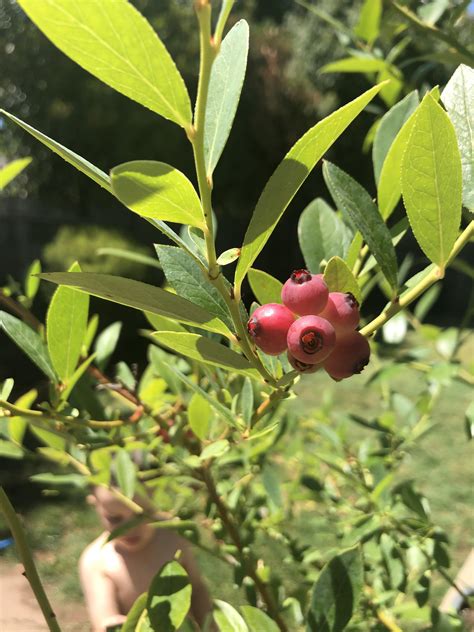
46,433
160,323
225,85
10,450
126,473
390,124
135,613
205,350
29,342
214,450
76,376
355,64
169,598
266,288
257,620
322,235
354,250
458,97
290,175
6,388
368,26
55,480
66,154
336,592
32,281
393,561
354,202
157,190
199,416
432,181
186,277
339,278
245,401
228,619
120,253
17,425
106,343
66,326
139,296
10,171
113,41
229,256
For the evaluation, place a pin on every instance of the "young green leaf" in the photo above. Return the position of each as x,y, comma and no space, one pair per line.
205,350
225,85
17,425
66,326
157,190
76,376
186,277
66,154
390,124
336,592
458,97
169,598
354,250
322,234
199,416
32,281
113,41
139,296
228,619
106,343
257,620
290,175
355,203
339,278
362,63
368,26
126,473
266,288
10,171
228,256
29,342
160,323
432,181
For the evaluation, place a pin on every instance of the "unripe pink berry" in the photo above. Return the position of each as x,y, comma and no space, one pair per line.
305,293
311,339
268,327
342,311
351,355
302,367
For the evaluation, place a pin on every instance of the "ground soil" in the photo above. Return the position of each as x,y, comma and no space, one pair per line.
19,611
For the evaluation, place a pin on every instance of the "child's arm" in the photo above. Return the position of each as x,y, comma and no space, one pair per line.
99,591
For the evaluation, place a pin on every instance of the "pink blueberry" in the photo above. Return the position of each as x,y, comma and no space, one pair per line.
305,293
268,327
342,311
350,356
311,339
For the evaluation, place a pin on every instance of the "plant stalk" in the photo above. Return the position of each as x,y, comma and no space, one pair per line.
26,558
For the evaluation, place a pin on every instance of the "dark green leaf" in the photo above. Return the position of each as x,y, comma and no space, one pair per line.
169,598
354,202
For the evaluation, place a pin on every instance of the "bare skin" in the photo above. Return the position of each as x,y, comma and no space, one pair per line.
113,574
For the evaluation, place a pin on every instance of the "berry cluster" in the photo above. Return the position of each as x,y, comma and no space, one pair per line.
316,327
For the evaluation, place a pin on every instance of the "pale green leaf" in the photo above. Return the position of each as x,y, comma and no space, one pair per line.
157,190
32,281
113,41
458,97
214,450
66,326
368,26
355,64
432,181
135,613
205,350
290,175
339,278
357,205
106,343
199,416
186,277
160,323
29,342
322,235
66,154
125,472
390,124
139,296
10,171
266,288
17,425
129,255
228,619
6,388
229,256
225,85
257,620
393,86
169,598
245,401
336,592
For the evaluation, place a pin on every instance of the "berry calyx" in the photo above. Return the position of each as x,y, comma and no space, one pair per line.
305,293
351,356
311,339
302,367
342,311
268,327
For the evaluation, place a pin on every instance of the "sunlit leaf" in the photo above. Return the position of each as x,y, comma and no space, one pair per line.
368,26
169,598
10,171
199,416
339,278
266,288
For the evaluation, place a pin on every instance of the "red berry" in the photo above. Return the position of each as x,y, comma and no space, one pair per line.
342,311
305,293
268,326
351,355
302,367
311,339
